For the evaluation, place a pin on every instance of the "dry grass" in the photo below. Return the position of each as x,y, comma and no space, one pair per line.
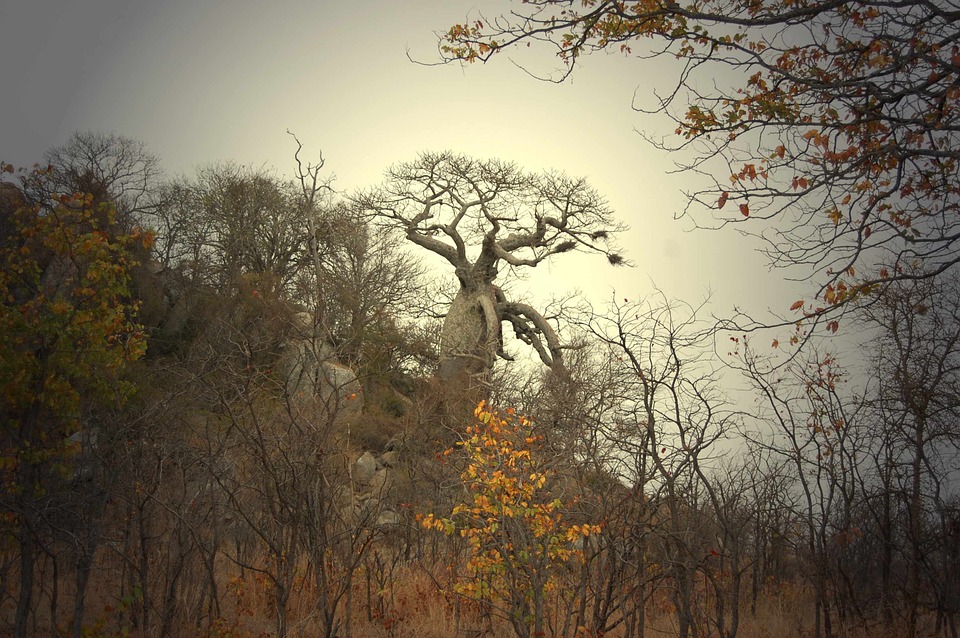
413,607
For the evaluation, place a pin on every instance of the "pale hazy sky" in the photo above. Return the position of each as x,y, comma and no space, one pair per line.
202,81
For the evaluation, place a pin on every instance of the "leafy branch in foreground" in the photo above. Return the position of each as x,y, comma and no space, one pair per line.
517,539
829,129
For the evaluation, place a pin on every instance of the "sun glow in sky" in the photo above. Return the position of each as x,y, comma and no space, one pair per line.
201,82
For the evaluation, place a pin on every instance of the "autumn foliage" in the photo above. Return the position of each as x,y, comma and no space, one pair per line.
518,540
69,327
68,322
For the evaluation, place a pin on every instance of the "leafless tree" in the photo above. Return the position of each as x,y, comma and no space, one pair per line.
479,216
360,284
916,365
815,421
671,415
250,224
112,168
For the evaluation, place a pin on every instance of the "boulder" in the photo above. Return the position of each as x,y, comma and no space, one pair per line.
311,371
389,458
343,497
365,469
389,518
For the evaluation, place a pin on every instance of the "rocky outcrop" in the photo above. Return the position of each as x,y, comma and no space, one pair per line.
373,489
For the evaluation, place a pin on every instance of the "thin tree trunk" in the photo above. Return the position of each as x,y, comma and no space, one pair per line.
27,552
28,480
913,574
85,563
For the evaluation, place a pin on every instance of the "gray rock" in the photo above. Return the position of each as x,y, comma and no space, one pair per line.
393,445
370,508
389,459
343,497
350,513
365,469
389,518
311,372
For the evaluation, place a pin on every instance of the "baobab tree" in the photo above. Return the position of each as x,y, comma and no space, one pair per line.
478,216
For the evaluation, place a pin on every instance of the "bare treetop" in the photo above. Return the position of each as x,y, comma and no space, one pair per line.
121,167
449,203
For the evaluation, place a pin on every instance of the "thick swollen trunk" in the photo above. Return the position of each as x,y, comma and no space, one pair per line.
470,339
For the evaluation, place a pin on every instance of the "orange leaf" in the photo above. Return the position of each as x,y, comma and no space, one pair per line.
797,305
723,199
775,344
744,210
